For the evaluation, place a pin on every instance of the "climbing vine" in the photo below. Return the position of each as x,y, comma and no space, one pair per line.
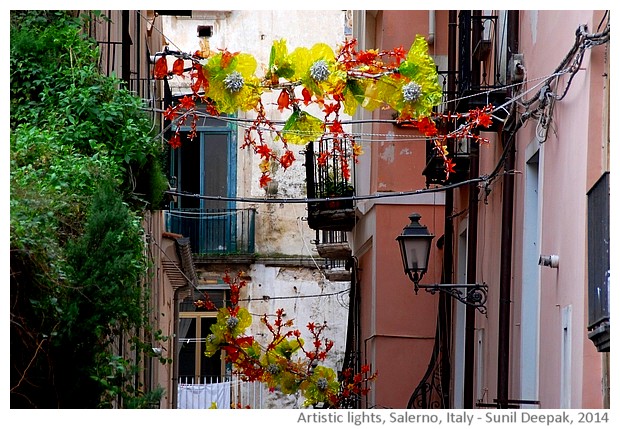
79,143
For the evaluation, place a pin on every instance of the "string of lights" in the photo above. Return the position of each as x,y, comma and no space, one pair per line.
570,64
372,137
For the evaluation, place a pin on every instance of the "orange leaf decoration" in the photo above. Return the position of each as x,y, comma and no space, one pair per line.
227,58
450,166
367,57
427,126
175,141
336,127
199,78
264,180
307,96
485,120
178,67
287,159
330,108
170,113
322,159
264,151
161,68
187,102
283,100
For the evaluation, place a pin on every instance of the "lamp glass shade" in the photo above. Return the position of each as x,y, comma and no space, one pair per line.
415,246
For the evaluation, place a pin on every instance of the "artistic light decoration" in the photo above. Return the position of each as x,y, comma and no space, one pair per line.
342,81
415,247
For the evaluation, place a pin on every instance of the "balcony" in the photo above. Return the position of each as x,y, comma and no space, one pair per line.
599,327
215,231
326,161
334,247
222,392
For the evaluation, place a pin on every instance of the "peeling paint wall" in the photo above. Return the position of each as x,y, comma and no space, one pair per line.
254,32
305,296
281,229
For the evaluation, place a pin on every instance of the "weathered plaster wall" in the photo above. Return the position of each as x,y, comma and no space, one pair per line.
281,229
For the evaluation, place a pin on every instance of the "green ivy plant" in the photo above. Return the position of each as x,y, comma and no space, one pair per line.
79,143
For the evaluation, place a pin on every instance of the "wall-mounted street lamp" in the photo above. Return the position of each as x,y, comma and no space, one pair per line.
415,248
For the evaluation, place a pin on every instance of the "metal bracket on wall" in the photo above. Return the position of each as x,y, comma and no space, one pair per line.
474,295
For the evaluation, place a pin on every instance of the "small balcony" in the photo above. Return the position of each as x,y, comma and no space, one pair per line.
326,162
334,247
215,231
221,392
435,170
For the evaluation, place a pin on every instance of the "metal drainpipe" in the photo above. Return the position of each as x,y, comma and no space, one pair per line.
448,257
126,50
472,238
431,27
503,347
175,339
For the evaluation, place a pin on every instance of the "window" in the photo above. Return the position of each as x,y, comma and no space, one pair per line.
194,326
206,166
530,284
598,264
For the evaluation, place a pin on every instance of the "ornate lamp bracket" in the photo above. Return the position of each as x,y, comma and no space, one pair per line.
474,295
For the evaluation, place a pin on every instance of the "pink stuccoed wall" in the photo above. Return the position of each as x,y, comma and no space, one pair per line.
397,326
571,160
565,176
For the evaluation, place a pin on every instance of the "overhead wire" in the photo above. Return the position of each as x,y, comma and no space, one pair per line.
544,97
241,122
277,298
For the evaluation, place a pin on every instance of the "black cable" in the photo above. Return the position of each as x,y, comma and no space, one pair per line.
266,200
275,298
602,20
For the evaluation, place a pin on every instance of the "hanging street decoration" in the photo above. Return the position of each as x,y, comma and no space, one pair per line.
342,81
287,363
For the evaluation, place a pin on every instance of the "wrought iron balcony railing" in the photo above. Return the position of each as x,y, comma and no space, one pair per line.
215,231
326,163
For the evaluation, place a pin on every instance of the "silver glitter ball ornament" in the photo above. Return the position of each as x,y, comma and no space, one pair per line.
319,71
411,92
234,82
232,322
321,383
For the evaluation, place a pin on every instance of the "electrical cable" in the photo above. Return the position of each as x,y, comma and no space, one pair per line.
277,298
303,239
270,200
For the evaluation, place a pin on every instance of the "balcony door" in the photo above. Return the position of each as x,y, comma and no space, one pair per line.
206,166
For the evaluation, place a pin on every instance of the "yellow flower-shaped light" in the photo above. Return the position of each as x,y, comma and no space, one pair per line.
353,95
418,91
232,83
233,324
280,64
280,371
320,386
318,70
302,127
367,93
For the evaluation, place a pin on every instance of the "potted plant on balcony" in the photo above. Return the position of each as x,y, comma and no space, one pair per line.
332,214
337,188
